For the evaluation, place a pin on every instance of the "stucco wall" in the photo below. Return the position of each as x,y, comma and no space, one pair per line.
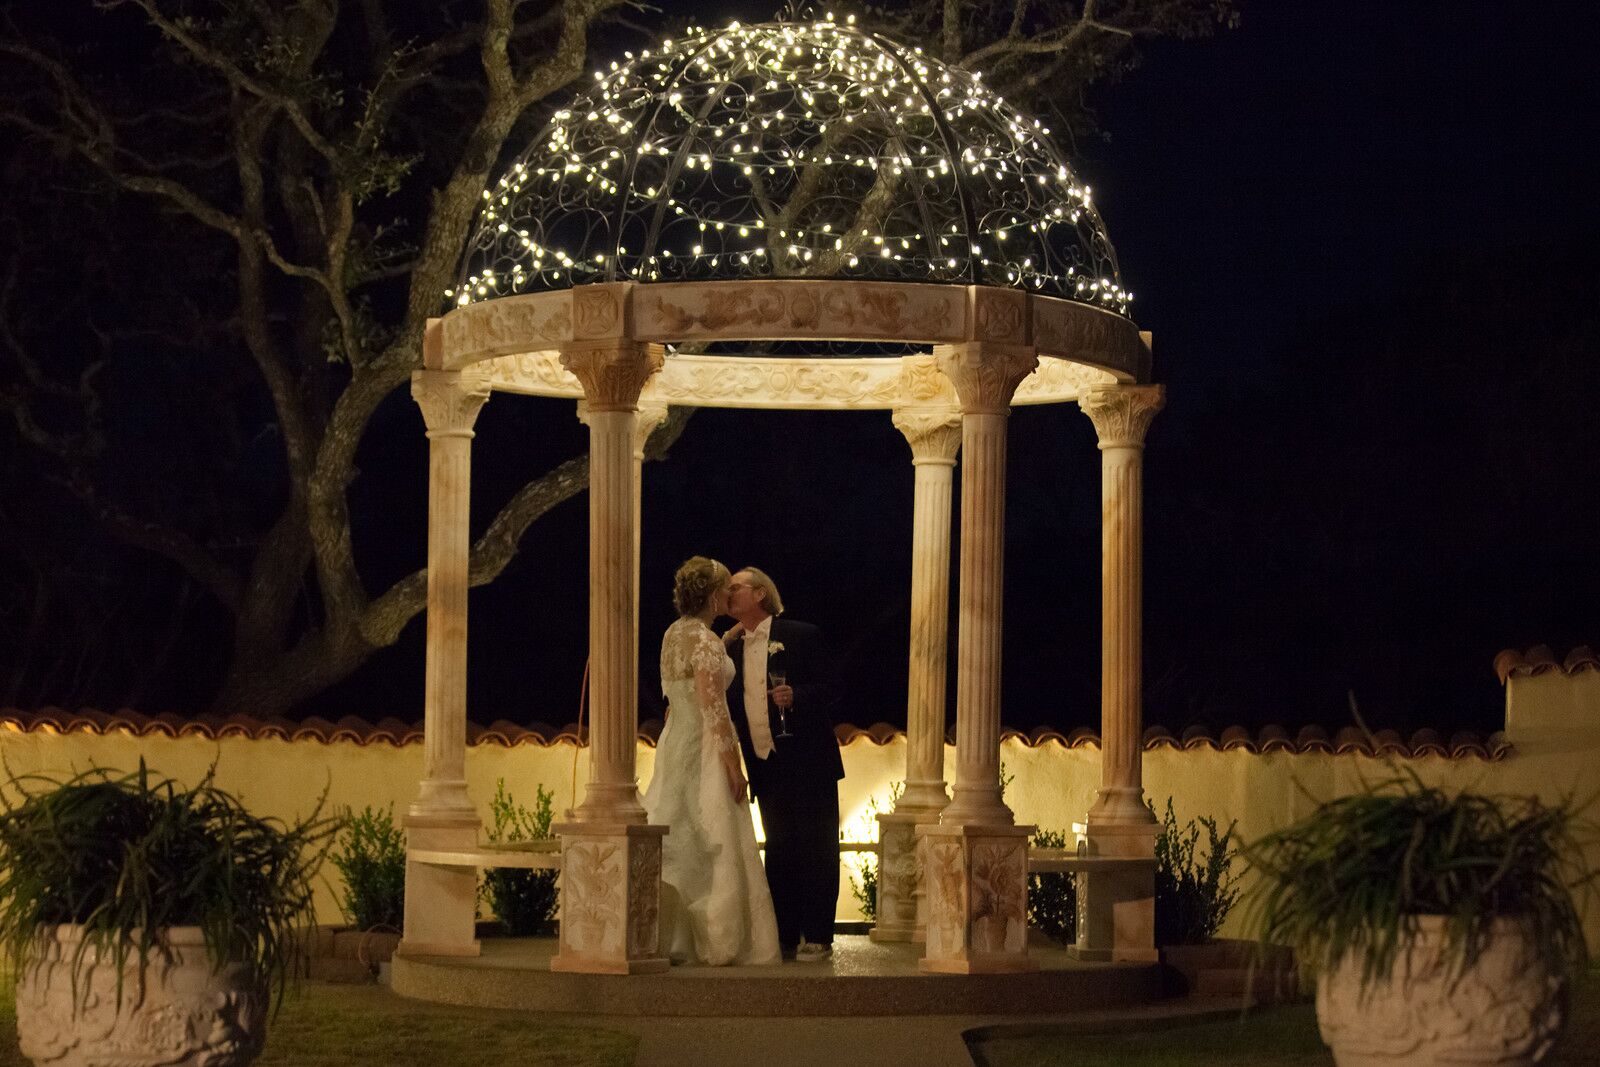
1553,722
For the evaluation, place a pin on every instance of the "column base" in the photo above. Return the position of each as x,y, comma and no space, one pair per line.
610,899
976,881
902,900
441,903
610,803
1116,906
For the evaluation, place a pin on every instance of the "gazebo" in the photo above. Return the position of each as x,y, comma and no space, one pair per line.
780,216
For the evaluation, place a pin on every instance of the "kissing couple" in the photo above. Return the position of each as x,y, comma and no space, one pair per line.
754,701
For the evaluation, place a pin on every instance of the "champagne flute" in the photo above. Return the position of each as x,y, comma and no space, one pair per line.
774,680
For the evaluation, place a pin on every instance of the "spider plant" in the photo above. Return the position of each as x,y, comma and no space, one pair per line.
1353,877
126,855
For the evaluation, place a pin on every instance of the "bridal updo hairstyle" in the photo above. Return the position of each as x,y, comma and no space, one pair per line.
694,583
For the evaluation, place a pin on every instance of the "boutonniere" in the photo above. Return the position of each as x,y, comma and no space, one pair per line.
774,647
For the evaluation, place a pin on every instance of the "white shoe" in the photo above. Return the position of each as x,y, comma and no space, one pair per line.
809,953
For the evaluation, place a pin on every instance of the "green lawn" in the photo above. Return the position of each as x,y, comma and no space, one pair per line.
1281,1037
336,1025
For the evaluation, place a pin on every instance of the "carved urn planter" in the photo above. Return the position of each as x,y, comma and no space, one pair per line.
183,1011
1506,1008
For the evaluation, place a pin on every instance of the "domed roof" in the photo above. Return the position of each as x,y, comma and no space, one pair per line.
789,150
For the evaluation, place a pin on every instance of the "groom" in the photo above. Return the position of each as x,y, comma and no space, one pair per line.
795,778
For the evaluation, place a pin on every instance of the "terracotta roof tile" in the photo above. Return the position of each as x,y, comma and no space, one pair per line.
502,732
1540,660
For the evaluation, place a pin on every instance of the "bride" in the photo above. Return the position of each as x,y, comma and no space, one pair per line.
715,905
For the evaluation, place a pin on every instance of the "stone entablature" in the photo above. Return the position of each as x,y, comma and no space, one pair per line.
516,338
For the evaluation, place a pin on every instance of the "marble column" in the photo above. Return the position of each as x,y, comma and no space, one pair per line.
440,901
975,860
651,414
931,422
985,377
1118,904
611,860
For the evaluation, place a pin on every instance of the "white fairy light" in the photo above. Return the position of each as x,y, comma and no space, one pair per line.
710,135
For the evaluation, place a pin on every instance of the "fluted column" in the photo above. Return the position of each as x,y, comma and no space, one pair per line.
986,375
1116,903
931,421
613,372
651,413
440,900
1121,416
450,402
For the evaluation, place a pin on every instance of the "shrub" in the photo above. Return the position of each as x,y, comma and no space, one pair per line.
1193,895
1352,877
127,856
1053,896
523,900
371,857
865,891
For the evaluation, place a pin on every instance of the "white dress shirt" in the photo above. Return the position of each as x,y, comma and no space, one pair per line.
755,687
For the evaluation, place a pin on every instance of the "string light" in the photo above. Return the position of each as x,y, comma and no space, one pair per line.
809,149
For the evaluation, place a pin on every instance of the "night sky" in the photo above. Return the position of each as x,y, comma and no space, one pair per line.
1363,236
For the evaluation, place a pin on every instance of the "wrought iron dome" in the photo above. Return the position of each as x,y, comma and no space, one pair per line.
790,150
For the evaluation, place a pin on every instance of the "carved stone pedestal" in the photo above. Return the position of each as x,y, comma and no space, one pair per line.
610,899
441,902
976,880
1117,902
902,900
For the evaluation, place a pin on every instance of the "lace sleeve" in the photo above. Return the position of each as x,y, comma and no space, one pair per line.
707,659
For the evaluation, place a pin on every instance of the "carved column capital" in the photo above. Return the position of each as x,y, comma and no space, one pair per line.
612,372
450,400
986,374
652,413
933,433
1122,413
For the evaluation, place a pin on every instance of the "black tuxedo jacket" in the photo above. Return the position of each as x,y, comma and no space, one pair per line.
811,756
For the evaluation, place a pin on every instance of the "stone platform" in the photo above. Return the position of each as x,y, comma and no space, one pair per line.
862,978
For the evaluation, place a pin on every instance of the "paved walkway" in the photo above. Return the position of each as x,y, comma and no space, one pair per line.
886,1041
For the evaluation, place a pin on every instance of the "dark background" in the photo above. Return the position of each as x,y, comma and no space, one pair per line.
1363,235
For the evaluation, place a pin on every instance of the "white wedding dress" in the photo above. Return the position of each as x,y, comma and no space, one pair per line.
715,905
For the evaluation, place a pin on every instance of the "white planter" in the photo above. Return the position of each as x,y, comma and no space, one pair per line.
1508,1008
187,1015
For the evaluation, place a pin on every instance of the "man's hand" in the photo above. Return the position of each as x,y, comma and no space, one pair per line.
782,696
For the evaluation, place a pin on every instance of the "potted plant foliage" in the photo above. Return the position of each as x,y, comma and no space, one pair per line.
148,923
1441,928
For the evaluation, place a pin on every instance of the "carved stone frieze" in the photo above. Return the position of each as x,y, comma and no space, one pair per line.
1078,332
900,874
598,311
800,309
1000,315
538,373
613,373
922,382
1122,413
1058,381
999,896
610,899
510,324
944,869
986,375
450,400
593,884
755,383
644,897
